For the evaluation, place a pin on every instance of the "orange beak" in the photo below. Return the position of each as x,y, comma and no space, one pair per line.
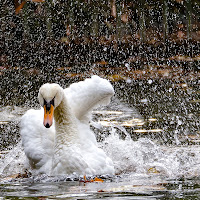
48,116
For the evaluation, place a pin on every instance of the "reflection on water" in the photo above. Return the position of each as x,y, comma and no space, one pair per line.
151,132
168,106
124,187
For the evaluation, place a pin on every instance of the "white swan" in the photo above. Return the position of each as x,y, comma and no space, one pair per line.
65,144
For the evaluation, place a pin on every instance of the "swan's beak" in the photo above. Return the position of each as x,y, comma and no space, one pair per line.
48,115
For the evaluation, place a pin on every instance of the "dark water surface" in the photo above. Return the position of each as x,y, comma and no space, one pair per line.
123,187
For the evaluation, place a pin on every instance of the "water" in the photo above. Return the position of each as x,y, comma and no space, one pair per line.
151,132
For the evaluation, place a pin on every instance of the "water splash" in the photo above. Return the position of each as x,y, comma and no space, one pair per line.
146,157
13,161
142,156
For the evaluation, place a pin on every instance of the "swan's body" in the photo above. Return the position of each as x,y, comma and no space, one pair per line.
68,146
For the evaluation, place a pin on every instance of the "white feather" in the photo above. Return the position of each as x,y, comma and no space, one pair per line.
69,146
88,94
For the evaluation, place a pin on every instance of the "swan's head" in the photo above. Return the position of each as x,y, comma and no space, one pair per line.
50,96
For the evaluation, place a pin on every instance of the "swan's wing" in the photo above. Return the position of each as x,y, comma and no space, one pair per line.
37,140
97,160
88,94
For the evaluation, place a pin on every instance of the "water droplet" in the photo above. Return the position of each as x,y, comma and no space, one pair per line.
143,100
150,81
180,122
128,80
105,48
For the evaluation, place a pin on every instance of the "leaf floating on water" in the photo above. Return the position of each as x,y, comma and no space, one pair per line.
152,119
100,191
148,131
85,179
195,101
153,170
37,1
26,174
197,58
65,40
4,122
133,122
128,124
97,180
116,77
17,10
102,62
181,58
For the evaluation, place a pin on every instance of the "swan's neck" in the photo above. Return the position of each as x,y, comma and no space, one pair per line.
65,124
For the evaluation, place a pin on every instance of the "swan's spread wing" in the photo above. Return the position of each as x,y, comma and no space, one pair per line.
88,94
37,140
